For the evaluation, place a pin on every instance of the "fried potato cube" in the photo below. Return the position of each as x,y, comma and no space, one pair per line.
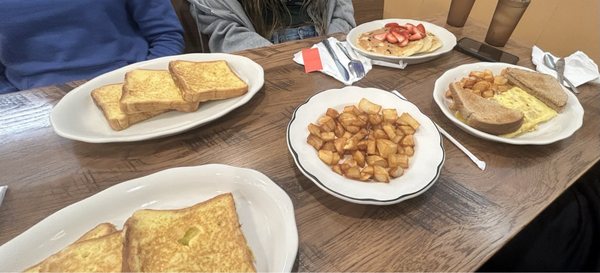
327,136
477,74
339,145
393,160
368,169
482,85
337,169
352,129
327,123
347,119
347,135
381,174
362,145
401,150
314,130
396,172
375,119
357,111
360,135
402,161
351,162
500,80
339,130
397,139
351,145
390,131
371,147
314,141
373,160
386,147
469,82
412,122
487,94
349,109
353,173
369,107
326,157
344,167
408,140
409,150
328,146
336,158
359,157
390,115
407,130
365,176
380,134
332,113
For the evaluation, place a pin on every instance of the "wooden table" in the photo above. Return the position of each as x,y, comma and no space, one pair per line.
455,226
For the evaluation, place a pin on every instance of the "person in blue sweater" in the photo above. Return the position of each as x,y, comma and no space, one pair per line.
45,42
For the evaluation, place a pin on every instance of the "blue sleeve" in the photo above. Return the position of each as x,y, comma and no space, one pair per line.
5,85
159,25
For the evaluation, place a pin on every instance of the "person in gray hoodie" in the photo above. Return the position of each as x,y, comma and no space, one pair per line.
233,25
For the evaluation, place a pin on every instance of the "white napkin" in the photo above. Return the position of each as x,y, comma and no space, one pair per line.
329,67
579,68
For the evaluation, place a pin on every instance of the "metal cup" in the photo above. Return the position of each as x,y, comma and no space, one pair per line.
505,19
459,12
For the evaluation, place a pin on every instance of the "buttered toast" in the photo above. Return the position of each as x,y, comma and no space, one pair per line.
97,232
204,81
147,90
542,86
107,99
205,237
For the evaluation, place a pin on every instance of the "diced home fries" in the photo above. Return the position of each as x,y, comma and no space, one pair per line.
365,142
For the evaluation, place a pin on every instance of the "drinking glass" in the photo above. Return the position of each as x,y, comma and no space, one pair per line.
459,11
505,19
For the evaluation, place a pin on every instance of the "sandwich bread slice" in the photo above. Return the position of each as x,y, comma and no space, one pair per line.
544,87
152,90
107,99
483,114
97,232
205,237
204,81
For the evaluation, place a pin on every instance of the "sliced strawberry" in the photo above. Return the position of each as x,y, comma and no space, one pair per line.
399,36
380,36
391,25
421,29
398,30
404,43
416,36
391,38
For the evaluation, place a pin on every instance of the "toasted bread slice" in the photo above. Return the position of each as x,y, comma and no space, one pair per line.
97,232
205,237
544,87
483,114
107,99
204,81
152,90
104,254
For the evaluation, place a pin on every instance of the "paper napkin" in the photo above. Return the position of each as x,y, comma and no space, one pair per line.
329,67
579,68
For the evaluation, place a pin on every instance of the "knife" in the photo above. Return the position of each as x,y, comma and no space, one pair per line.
2,191
560,69
337,62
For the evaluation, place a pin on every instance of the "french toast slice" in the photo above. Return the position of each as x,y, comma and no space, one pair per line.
96,232
205,237
147,90
483,114
544,87
107,98
204,81
103,254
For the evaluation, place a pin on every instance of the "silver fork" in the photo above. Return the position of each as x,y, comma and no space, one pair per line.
355,66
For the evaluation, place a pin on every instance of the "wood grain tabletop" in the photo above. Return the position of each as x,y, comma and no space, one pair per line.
462,220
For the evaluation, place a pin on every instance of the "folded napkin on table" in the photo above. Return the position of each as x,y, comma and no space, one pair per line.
329,66
579,68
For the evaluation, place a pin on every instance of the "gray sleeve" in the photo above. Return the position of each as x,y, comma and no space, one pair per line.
225,28
342,19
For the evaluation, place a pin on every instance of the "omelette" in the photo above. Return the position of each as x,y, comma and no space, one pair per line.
533,109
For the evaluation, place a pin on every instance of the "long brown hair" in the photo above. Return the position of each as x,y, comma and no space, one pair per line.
281,17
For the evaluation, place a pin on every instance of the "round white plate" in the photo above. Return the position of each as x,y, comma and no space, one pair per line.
560,127
424,168
265,212
76,116
448,40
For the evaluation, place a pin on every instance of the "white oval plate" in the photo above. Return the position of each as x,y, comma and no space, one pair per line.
424,168
76,116
265,212
448,40
558,128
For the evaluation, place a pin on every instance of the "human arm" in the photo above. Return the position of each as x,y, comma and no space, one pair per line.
159,25
227,26
342,19
5,85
